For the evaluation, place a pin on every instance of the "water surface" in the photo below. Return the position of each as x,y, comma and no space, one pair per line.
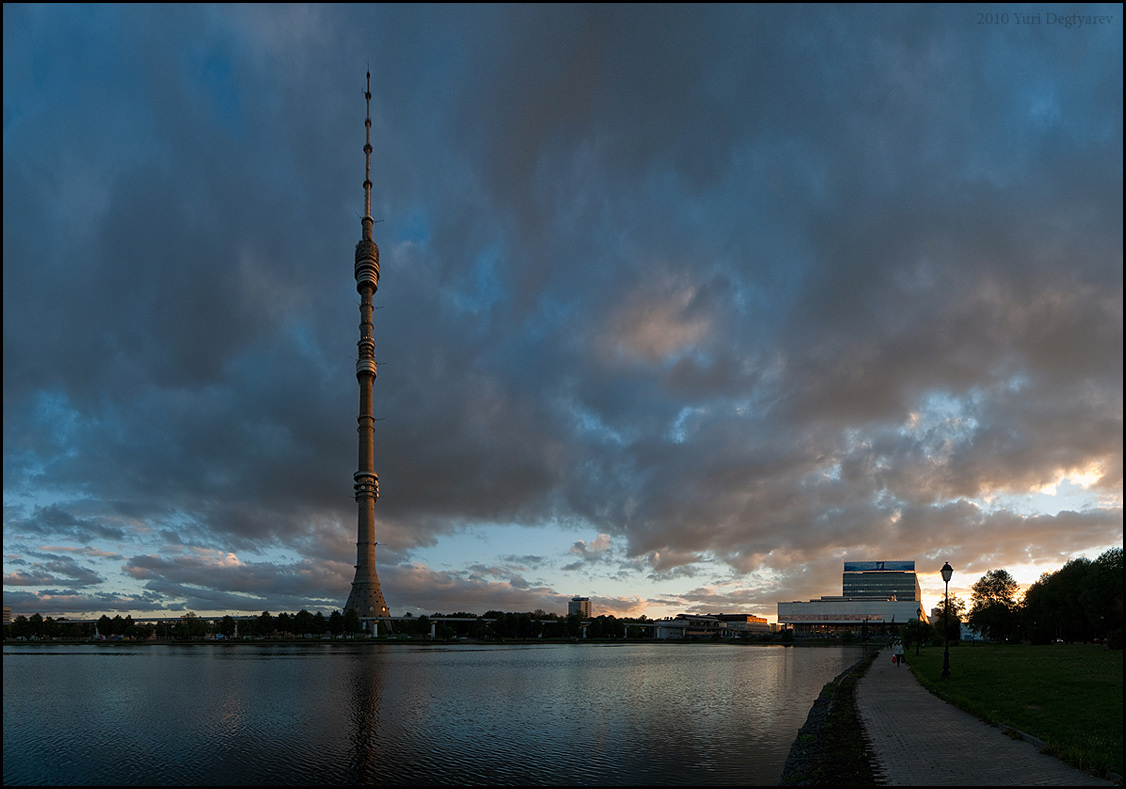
335,713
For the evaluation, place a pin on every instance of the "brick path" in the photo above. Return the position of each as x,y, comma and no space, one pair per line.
920,740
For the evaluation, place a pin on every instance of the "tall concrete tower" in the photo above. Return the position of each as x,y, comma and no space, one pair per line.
366,598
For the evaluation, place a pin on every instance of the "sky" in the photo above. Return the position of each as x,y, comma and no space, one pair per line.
680,307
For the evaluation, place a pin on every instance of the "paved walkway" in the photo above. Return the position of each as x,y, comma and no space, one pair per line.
920,740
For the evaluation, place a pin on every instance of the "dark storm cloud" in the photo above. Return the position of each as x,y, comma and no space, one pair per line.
474,591
57,570
742,289
198,571
54,521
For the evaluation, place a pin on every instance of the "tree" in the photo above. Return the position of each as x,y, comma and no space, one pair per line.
503,625
1102,594
573,627
303,623
265,624
283,622
604,626
957,614
352,623
1081,601
320,624
143,631
191,626
994,605
1050,608
227,626
917,633
19,628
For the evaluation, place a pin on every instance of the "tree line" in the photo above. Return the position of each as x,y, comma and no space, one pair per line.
492,625
502,625
188,627
1080,602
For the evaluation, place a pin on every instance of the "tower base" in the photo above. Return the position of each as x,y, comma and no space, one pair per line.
367,600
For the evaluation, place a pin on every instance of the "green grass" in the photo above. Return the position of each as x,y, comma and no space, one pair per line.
1069,696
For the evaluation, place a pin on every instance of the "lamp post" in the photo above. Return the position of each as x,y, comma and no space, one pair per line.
946,571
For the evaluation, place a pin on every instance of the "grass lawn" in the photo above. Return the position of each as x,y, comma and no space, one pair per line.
1069,696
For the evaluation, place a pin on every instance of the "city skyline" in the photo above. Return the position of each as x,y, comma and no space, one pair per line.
684,306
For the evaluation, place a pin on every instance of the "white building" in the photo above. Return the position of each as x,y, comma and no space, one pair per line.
666,629
832,614
877,596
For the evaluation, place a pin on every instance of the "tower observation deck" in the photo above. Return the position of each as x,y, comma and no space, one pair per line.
366,599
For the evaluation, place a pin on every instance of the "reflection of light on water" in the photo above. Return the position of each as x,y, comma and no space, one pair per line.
231,710
346,713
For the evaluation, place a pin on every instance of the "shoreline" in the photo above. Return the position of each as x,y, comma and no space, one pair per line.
417,642
829,749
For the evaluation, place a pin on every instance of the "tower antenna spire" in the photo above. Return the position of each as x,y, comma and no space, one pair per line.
366,598
367,220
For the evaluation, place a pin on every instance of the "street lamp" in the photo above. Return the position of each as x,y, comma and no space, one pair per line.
946,571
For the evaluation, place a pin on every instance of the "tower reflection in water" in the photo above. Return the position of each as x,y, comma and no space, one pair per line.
366,670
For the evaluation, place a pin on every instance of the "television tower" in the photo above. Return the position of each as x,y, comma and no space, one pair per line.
366,598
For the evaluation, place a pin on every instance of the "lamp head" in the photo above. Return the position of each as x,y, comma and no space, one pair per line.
947,571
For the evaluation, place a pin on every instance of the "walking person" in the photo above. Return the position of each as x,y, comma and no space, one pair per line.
897,651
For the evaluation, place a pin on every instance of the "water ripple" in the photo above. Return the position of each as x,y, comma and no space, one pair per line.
551,715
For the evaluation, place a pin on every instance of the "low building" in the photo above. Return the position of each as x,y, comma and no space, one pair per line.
710,626
669,629
744,623
847,614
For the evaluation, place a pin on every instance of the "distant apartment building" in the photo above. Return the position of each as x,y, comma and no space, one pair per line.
875,595
579,606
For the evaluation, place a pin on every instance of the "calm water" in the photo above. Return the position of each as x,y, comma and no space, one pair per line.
395,714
